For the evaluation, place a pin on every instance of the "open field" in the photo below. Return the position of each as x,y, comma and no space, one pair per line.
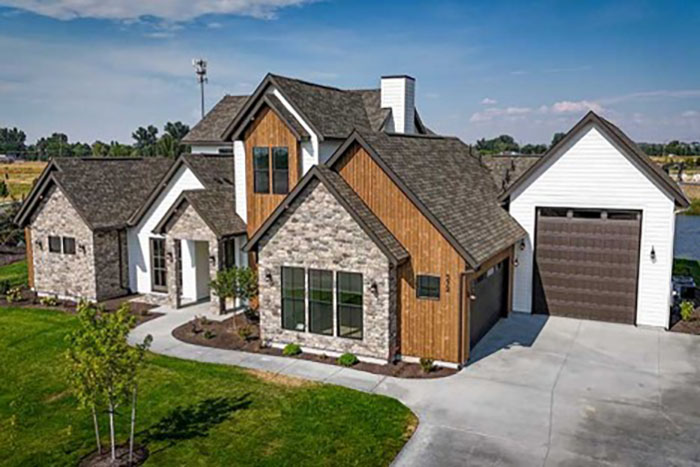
20,176
189,413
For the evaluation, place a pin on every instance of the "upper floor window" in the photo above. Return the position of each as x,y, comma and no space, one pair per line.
271,170
261,170
54,244
428,287
69,245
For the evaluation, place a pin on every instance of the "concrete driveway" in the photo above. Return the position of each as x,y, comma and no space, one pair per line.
557,391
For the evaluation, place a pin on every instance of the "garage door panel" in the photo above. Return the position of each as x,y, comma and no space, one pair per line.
490,303
586,264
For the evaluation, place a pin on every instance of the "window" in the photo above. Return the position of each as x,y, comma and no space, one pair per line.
280,171
321,302
229,253
54,244
226,150
293,296
428,287
350,305
261,170
68,245
158,265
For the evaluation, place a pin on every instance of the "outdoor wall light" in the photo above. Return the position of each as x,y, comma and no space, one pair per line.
374,288
522,245
169,255
212,260
516,263
653,253
268,277
82,248
39,244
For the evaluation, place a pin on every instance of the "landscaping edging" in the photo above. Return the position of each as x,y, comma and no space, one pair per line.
219,335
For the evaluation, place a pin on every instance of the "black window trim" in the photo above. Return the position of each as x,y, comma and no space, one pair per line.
338,305
332,303
270,171
303,300
274,170
60,244
65,249
428,297
267,171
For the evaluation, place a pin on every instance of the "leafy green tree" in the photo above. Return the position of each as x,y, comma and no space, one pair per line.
12,141
498,145
116,149
235,283
556,138
177,130
103,367
146,139
99,149
533,149
4,191
56,145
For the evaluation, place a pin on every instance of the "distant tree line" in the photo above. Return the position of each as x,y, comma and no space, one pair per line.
147,143
506,144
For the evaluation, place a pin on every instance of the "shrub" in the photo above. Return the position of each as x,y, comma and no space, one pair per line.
208,334
5,286
686,310
49,300
245,332
291,349
427,365
14,295
347,359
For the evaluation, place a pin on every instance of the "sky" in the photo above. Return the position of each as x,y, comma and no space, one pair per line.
96,69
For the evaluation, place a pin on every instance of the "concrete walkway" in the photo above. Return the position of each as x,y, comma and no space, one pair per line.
539,391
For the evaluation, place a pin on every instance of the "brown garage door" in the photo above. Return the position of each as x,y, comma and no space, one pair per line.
586,263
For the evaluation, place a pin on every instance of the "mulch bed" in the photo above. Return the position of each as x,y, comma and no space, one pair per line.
691,326
225,335
29,300
122,454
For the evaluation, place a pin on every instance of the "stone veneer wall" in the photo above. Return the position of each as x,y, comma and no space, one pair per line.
70,276
316,232
190,226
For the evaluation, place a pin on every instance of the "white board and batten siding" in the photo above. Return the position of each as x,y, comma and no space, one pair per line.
140,235
592,172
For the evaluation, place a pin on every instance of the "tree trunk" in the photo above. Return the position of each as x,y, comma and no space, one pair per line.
97,430
133,424
111,430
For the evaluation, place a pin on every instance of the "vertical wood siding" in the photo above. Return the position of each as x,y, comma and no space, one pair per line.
428,328
267,130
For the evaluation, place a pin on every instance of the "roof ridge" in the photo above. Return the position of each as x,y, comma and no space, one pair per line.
325,86
420,135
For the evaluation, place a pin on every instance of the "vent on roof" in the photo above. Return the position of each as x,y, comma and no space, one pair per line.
399,94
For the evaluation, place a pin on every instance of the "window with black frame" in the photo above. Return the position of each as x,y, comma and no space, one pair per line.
428,287
68,245
349,305
321,302
158,265
261,170
280,170
229,253
293,298
54,244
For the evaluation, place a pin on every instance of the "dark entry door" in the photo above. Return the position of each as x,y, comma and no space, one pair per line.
490,292
586,263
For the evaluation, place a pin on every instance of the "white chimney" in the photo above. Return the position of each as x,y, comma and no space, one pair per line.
399,94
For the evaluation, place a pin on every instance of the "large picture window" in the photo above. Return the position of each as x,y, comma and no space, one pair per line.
158,265
280,171
293,297
321,302
350,305
428,287
261,170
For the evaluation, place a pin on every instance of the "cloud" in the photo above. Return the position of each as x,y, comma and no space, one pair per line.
512,113
488,101
564,107
690,114
657,94
172,10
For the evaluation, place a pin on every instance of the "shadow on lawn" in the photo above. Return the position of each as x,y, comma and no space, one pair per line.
193,421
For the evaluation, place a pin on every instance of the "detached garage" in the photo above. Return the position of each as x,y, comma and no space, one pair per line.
600,219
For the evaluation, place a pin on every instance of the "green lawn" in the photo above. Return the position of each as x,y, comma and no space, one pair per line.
16,273
189,413
687,267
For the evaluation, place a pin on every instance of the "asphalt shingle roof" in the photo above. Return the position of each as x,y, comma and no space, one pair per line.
507,169
216,207
106,191
210,128
453,186
213,170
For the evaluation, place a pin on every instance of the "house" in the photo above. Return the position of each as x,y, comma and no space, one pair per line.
370,233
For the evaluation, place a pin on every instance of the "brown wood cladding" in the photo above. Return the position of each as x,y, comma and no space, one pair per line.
268,130
428,328
587,268
30,256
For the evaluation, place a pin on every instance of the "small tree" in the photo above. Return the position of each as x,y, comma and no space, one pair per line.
103,366
235,283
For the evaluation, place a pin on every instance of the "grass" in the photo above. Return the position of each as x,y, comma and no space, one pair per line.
16,273
189,413
687,267
20,176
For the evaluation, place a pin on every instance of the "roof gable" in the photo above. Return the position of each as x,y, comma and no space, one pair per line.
621,140
209,128
273,103
449,187
352,203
